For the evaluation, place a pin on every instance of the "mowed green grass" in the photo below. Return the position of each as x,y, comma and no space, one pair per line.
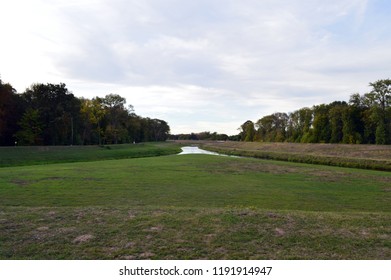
193,207
33,155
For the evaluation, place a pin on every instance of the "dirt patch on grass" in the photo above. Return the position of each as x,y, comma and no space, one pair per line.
21,183
43,228
155,229
131,215
83,238
66,230
158,213
130,245
208,238
147,255
279,232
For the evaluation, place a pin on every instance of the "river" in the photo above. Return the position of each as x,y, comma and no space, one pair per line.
195,150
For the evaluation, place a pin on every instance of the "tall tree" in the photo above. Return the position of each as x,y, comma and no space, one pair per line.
381,91
158,129
273,128
31,128
59,112
247,131
299,125
116,116
321,124
336,114
11,110
92,113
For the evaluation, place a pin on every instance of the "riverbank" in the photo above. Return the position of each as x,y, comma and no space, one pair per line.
374,157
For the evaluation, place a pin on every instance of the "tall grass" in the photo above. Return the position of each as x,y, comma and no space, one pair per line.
352,156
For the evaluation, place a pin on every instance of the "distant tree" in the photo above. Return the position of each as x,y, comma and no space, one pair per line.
336,119
31,128
134,126
381,91
92,112
353,123
247,131
116,117
11,110
299,125
321,124
158,129
273,128
352,126
59,112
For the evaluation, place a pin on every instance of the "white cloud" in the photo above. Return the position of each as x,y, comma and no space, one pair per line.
211,63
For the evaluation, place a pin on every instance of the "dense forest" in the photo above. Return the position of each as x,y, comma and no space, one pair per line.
49,114
365,119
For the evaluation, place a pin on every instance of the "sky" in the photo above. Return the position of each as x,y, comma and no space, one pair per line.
205,65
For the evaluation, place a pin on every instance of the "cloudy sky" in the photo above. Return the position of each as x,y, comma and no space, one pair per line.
201,65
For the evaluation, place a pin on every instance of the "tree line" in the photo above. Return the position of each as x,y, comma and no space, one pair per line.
49,114
365,119
205,135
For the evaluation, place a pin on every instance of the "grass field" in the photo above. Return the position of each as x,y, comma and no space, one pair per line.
193,207
14,156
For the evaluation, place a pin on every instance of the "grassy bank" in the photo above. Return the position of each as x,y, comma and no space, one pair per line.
32,155
193,207
375,157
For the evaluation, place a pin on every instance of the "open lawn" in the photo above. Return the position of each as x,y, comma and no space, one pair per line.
193,207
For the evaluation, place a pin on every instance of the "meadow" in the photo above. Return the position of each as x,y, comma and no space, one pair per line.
191,207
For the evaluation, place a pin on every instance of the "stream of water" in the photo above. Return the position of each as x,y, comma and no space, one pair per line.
195,150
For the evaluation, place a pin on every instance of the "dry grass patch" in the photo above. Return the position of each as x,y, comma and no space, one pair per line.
376,157
193,234
83,238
